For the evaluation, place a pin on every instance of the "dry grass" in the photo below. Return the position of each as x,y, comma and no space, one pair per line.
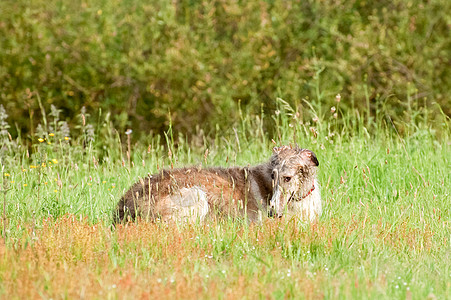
71,258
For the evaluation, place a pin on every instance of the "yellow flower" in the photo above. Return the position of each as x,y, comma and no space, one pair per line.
104,181
7,175
56,191
32,167
25,184
89,183
40,140
66,138
55,161
45,182
43,165
12,181
49,143
51,134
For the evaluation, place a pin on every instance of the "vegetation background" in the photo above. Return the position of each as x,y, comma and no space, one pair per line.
364,84
195,63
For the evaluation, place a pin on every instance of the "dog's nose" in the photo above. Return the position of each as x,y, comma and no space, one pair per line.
272,214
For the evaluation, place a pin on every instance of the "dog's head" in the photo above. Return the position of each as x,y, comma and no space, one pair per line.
293,174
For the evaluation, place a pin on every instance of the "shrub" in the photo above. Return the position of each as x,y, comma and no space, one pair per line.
203,60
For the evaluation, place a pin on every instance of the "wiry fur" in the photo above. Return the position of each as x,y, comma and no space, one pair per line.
195,193
299,196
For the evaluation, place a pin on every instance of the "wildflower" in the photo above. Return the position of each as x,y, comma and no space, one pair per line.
64,129
7,175
128,132
56,191
104,181
66,138
12,181
89,183
49,143
55,161
40,140
332,109
25,184
335,115
45,182
315,119
338,98
51,134
90,133
43,165
32,167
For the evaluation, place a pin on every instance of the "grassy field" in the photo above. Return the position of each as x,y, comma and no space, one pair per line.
385,232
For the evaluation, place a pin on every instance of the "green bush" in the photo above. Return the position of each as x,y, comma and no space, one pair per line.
204,60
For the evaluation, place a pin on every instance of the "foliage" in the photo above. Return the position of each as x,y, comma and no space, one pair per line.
199,62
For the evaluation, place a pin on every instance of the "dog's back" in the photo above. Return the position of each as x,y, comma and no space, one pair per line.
188,194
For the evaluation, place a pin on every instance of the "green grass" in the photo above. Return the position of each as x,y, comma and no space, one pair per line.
384,233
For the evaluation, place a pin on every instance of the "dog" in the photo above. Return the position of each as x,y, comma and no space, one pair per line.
287,185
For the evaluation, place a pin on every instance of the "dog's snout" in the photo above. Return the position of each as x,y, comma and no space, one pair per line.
272,213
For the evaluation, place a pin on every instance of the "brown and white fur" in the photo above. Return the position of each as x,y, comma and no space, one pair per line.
286,185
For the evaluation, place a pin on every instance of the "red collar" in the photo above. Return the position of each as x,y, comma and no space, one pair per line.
309,192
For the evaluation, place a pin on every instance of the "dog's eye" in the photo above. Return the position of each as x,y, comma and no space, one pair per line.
287,179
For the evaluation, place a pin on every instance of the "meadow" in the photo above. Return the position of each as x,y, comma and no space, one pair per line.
385,231
96,94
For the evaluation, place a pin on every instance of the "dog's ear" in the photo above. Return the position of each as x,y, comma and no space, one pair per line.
310,158
277,150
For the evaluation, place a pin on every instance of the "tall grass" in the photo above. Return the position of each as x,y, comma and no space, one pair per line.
384,233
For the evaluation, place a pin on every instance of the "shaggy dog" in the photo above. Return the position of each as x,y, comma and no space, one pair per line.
286,185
